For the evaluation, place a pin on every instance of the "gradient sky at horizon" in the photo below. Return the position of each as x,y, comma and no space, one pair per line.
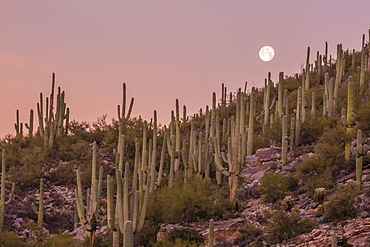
163,50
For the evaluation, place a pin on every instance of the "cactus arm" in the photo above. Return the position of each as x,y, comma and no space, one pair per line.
11,196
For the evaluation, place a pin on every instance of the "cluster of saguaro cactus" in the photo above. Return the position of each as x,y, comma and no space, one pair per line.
55,121
359,151
88,213
3,203
130,206
235,141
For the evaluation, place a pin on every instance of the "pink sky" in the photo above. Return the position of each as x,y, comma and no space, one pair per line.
162,50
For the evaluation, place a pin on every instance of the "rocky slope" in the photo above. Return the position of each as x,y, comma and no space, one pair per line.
59,205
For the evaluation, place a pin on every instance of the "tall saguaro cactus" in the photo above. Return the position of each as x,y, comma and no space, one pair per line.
40,210
348,118
18,127
284,139
339,70
123,117
3,203
211,233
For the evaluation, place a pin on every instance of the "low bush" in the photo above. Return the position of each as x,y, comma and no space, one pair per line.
284,226
198,199
61,240
341,205
187,234
10,239
274,186
177,243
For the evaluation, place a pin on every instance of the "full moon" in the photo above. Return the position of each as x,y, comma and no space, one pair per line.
267,53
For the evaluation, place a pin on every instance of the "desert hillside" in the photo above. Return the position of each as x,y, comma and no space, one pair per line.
286,164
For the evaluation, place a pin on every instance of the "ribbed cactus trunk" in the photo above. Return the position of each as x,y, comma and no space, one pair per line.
284,139
307,81
348,118
362,72
211,233
29,126
3,203
280,95
338,77
252,110
40,210
298,117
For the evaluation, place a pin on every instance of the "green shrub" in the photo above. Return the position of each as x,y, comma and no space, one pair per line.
341,204
250,234
187,234
274,186
10,239
177,243
316,180
61,240
198,199
284,226
26,176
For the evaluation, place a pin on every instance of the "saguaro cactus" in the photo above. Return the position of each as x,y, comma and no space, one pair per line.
284,139
3,203
363,69
338,77
89,218
348,118
359,151
252,110
30,125
120,213
18,127
298,118
211,234
123,117
40,210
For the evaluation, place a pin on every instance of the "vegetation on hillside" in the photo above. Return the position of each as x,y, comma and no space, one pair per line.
190,169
